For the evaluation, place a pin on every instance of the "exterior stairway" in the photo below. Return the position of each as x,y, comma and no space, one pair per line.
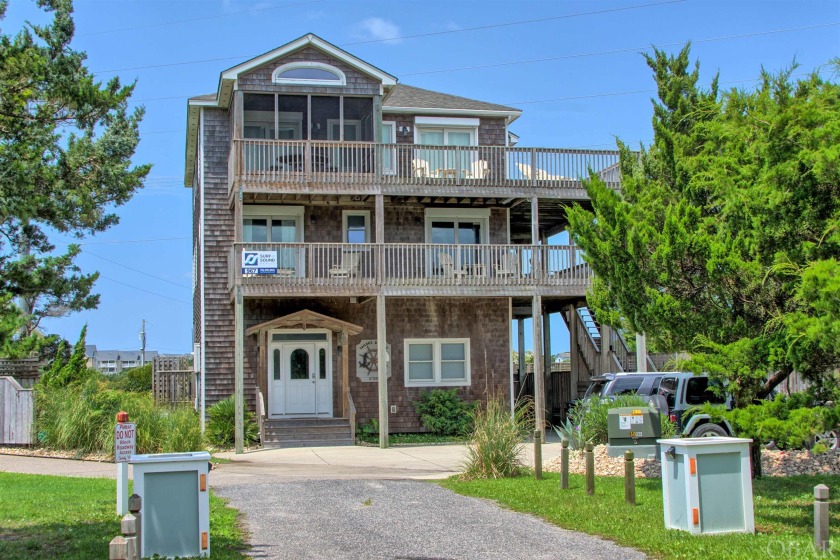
306,432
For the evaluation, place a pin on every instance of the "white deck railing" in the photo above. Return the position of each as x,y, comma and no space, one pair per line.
368,163
413,265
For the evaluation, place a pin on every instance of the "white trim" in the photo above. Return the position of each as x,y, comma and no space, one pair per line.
483,213
511,115
317,42
318,344
436,362
341,81
363,213
203,286
271,210
480,215
446,121
392,152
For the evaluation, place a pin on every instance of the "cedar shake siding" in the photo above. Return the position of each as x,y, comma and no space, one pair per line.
218,238
259,79
482,320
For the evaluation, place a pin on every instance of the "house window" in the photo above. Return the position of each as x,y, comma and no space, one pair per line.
433,362
355,226
309,73
303,117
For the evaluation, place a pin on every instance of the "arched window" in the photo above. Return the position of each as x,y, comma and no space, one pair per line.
309,73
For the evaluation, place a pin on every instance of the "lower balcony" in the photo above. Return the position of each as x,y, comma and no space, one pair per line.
411,269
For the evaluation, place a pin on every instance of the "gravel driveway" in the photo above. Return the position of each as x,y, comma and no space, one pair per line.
397,519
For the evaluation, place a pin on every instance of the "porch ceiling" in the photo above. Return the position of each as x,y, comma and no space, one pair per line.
304,319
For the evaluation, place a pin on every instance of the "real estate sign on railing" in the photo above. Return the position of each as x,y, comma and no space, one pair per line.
259,262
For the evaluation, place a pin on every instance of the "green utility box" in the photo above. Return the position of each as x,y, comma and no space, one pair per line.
707,485
633,429
175,503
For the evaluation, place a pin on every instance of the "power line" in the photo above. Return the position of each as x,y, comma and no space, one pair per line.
511,63
138,270
147,291
622,50
431,34
177,22
512,23
127,241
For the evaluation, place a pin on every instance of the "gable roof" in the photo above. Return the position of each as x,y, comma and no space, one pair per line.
404,98
306,318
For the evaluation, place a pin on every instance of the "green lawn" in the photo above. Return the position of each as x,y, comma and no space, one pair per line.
60,517
412,439
783,515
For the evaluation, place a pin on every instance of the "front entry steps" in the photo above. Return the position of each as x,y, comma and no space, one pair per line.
306,432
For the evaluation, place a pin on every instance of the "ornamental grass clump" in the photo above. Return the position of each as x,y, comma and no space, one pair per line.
495,447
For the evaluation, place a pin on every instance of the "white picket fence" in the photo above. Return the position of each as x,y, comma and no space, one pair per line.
16,413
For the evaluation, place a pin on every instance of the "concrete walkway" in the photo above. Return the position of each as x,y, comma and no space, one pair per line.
403,462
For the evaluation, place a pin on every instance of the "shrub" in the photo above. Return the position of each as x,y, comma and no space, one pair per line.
81,416
137,380
791,422
443,412
494,449
589,417
222,425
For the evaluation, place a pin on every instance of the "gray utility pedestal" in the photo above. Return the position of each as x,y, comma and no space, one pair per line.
707,485
633,429
176,503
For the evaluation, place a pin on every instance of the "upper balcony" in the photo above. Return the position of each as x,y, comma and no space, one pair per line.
331,167
407,269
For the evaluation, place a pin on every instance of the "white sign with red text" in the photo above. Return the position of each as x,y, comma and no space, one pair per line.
125,441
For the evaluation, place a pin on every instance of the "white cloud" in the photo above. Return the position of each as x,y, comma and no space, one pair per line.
379,29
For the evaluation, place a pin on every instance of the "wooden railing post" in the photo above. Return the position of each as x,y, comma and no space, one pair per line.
538,454
590,469
135,503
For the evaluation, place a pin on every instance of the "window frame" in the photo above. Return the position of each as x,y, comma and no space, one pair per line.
339,82
437,361
271,212
344,223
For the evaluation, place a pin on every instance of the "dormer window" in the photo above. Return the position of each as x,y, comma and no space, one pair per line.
309,73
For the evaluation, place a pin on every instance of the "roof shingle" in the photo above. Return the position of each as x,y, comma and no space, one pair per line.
402,95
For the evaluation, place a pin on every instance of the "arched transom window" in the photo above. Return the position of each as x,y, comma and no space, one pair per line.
309,73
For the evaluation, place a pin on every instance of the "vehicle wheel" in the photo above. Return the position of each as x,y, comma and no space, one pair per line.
709,430
830,439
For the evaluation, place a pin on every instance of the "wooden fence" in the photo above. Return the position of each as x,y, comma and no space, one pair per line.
173,379
26,371
16,413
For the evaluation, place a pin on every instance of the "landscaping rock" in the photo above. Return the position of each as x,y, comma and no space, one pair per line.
773,463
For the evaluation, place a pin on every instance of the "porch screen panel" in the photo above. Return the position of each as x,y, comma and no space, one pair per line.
258,123
292,124
324,110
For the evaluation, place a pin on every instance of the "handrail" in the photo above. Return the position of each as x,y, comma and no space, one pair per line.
366,265
354,163
261,414
351,409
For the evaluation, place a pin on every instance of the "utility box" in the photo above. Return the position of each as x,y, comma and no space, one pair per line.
633,429
707,485
175,503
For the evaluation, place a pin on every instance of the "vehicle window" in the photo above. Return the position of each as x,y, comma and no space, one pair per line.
668,389
626,385
595,388
655,387
698,391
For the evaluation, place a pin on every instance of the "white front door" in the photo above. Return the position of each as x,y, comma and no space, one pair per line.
300,378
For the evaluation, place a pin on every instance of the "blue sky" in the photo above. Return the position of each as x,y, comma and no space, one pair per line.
573,67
